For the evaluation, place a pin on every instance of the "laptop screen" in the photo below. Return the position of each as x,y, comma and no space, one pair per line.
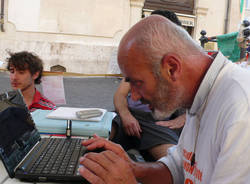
18,134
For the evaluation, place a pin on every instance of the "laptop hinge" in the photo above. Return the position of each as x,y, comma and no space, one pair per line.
20,163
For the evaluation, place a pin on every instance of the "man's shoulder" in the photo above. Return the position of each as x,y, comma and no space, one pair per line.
238,79
44,101
231,91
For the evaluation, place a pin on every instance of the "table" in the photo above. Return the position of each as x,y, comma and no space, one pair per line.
5,179
79,128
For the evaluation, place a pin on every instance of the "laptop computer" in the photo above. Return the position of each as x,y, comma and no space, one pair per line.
28,156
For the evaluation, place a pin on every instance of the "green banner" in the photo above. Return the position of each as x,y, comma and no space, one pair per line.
228,45
241,5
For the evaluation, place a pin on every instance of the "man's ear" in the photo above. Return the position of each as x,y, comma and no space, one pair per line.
35,75
171,66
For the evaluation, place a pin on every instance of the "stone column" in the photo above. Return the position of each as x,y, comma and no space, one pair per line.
234,17
201,21
135,11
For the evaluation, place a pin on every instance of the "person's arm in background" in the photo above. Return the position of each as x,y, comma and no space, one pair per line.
130,124
178,122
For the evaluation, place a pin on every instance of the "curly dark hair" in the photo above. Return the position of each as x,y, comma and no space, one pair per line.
26,60
168,14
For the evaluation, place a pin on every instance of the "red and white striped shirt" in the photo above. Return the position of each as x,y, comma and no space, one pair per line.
41,102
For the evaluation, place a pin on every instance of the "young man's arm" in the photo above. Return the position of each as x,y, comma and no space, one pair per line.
130,124
178,122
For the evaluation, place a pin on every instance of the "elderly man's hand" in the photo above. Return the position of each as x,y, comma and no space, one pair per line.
175,123
106,167
100,142
110,166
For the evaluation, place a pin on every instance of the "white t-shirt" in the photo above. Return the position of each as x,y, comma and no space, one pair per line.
219,124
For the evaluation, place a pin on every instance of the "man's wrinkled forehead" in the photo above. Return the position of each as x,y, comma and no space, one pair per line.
125,58
126,68
133,64
130,52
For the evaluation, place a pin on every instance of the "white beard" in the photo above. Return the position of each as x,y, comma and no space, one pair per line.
160,115
165,108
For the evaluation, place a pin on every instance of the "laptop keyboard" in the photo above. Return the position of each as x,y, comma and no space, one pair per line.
60,157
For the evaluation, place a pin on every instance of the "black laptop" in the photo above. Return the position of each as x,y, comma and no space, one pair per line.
26,155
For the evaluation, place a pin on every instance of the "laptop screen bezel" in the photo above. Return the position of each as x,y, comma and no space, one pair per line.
22,145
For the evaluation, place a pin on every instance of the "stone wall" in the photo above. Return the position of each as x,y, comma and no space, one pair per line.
78,58
81,36
211,16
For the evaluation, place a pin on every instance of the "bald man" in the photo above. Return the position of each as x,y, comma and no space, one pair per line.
176,73
135,128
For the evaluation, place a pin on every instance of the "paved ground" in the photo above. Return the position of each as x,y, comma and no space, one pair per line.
81,91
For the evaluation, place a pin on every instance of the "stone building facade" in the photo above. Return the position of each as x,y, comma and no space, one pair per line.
82,36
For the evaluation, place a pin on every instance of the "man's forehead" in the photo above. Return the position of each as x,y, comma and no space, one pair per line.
131,58
136,72
130,68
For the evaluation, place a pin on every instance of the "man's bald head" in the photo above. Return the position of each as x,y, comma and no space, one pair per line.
156,36
163,64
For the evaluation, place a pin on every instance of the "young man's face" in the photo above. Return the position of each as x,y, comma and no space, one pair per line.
21,79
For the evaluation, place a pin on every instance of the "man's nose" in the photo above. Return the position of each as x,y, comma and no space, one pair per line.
135,94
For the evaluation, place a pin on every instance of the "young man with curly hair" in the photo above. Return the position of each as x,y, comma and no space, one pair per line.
25,71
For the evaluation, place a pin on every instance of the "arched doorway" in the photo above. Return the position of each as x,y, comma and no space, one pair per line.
57,68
